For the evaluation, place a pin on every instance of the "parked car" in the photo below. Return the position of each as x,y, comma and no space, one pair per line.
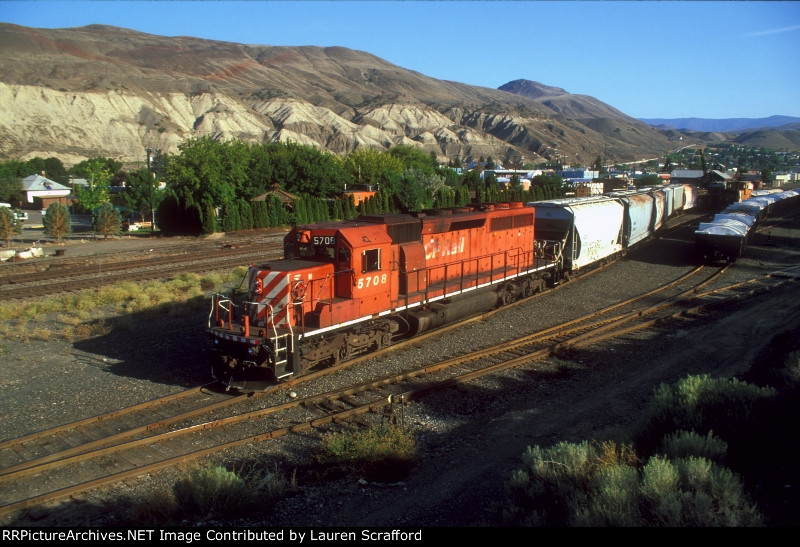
135,222
18,214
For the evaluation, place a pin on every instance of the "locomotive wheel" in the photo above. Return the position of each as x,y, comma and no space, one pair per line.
508,294
221,367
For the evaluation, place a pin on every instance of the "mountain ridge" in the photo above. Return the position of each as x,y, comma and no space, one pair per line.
725,124
106,91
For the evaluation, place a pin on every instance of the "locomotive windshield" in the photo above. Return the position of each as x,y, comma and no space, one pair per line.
319,248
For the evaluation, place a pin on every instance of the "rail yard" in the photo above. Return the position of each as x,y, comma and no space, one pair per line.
575,386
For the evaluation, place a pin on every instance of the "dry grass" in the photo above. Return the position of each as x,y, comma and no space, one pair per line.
84,315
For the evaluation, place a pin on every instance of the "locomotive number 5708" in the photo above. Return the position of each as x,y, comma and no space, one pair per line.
366,282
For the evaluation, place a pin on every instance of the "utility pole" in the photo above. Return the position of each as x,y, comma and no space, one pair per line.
150,183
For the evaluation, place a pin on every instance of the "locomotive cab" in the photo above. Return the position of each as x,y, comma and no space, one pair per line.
331,275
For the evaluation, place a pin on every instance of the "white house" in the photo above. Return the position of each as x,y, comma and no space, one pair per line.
41,191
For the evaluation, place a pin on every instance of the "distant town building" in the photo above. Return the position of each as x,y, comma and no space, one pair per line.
287,199
41,192
360,192
687,176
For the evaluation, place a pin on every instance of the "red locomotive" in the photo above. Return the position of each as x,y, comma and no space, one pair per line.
346,288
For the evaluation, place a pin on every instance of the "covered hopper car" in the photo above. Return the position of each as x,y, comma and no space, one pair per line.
726,237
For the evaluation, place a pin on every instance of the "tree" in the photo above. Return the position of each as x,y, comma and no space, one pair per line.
245,215
766,177
462,196
106,220
369,166
648,180
86,168
209,219
230,218
412,157
277,214
197,175
142,193
260,214
57,222
11,181
96,193
9,225
55,170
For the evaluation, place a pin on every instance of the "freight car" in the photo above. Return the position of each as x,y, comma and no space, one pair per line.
726,237
351,287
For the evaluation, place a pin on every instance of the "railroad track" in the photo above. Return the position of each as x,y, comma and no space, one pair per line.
76,278
110,448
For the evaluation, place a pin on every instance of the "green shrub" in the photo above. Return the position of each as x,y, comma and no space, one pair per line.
214,491
701,404
614,500
683,444
694,492
579,485
381,453
554,481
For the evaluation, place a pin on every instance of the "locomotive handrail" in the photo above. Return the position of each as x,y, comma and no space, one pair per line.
322,286
217,303
517,256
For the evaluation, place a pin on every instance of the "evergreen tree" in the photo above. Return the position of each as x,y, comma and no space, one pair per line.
57,222
230,218
209,219
350,210
245,215
277,215
106,220
9,225
463,196
338,211
260,215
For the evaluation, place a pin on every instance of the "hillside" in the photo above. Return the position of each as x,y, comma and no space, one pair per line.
100,90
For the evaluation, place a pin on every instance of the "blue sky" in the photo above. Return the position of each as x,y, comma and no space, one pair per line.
661,59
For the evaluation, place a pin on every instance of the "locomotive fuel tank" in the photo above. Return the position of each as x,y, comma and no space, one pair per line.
439,314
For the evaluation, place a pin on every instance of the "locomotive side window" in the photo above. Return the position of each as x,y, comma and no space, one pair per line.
371,260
